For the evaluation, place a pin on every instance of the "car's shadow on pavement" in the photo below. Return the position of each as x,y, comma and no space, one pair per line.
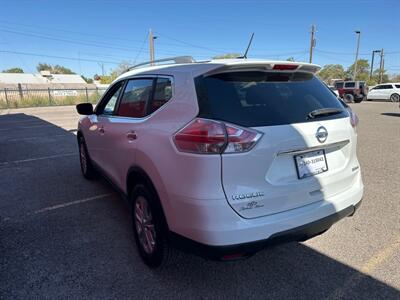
391,114
285,272
87,250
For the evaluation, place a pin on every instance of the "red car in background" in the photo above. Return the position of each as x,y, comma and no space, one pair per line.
352,91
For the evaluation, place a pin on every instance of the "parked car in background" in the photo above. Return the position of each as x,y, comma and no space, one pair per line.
385,91
334,89
225,157
352,91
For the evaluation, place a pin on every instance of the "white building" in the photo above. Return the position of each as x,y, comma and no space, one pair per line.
42,80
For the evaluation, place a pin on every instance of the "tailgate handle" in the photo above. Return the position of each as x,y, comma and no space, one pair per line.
304,150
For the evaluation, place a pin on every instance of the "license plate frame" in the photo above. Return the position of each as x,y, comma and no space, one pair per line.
303,171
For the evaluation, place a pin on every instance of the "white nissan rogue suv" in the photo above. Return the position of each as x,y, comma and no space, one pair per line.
225,157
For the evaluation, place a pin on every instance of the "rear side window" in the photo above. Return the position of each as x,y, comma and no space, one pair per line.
398,86
339,85
350,84
264,98
135,98
162,93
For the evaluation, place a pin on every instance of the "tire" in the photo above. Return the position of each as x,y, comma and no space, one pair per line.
358,100
150,228
395,97
87,168
349,98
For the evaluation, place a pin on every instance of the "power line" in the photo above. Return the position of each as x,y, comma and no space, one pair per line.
58,57
141,49
68,40
74,32
90,43
189,44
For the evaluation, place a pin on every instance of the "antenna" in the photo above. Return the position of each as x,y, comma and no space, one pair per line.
248,47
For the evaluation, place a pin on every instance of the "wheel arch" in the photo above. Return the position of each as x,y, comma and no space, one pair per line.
79,135
136,174
392,94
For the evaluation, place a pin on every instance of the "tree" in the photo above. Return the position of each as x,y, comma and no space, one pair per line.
56,69
107,79
290,59
227,55
395,78
120,69
329,72
14,70
376,76
88,80
43,67
362,70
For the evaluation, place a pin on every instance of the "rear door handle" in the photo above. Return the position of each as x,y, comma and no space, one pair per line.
131,136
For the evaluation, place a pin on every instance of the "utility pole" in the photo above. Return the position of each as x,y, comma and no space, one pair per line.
381,67
312,42
372,62
358,47
151,46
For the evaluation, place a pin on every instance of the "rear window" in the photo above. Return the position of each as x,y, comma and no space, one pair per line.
350,84
257,98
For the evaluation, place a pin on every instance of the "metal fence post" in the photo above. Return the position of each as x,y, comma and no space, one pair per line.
87,95
21,94
48,90
5,93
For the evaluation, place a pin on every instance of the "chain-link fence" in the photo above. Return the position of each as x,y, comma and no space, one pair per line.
15,98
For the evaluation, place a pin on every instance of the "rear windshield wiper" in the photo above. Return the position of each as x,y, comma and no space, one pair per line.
324,112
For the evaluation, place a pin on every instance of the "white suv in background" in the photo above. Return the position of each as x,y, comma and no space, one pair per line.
385,91
225,157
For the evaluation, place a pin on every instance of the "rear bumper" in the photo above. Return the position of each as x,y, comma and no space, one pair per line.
237,251
215,223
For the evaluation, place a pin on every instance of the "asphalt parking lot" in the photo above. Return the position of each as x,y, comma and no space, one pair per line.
64,237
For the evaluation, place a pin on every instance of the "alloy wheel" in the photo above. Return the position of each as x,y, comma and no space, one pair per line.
395,98
144,225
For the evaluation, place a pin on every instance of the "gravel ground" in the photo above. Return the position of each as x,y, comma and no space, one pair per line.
64,237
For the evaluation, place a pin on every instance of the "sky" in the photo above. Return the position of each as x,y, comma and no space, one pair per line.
86,35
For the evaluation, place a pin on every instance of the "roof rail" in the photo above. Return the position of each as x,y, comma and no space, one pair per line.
176,60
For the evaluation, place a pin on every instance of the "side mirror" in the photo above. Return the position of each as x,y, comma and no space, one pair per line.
85,109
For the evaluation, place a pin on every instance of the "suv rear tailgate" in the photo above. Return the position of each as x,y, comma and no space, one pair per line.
265,180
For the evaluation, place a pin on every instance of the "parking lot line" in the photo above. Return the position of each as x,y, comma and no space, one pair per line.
372,263
58,206
50,208
381,256
37,137
35,159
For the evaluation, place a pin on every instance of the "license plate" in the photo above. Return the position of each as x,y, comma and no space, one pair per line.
311,163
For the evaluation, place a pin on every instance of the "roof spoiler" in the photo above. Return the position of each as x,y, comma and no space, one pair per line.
175,60
267,66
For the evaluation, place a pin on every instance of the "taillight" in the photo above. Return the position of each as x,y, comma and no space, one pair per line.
283,67
353,118
240,139
205,136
